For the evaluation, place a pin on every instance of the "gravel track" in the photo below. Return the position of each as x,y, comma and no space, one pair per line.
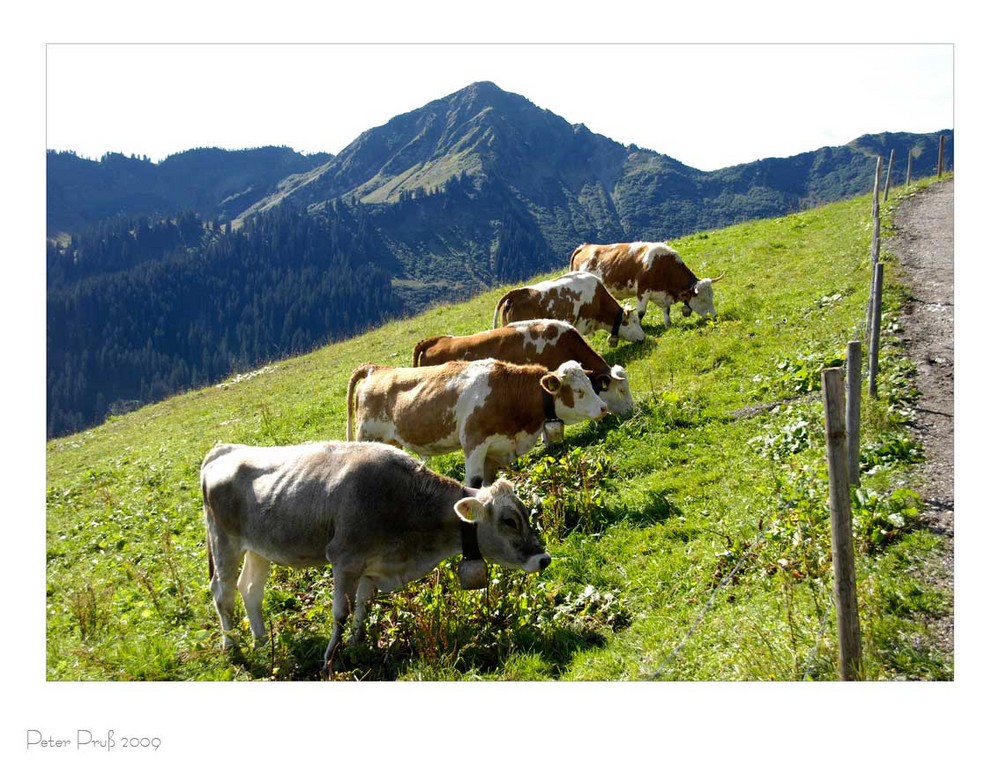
924,244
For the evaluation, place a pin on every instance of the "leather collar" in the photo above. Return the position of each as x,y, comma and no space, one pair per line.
618,322
470,542
549,406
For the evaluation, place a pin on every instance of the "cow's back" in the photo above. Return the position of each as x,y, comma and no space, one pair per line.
551,343
271,499
503,344
546,342
289,503
617,265
416,407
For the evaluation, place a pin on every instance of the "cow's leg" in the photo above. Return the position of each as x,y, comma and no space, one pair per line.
345,587
490,469
251,586
475,466
642,301
226,568
665,305
365,594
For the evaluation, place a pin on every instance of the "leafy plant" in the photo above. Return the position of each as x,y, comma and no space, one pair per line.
894,449
796,435
568,490
593,608
878,518
797,530
803,374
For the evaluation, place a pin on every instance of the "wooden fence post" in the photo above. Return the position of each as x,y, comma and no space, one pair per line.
940,155
909,166
848,624
888,175
876,325
876,232
854,412
878,185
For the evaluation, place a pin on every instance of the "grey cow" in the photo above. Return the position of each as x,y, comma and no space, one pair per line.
379,516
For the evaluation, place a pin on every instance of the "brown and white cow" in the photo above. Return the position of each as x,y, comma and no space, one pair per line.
493,411
579,298
546,342
376,514
649,271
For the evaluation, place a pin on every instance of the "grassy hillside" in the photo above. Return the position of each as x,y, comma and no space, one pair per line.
689,541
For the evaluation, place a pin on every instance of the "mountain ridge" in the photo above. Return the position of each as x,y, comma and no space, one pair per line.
473,190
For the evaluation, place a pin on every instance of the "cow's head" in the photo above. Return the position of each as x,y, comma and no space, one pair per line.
702,300
572,394
614,389
504,530
630,328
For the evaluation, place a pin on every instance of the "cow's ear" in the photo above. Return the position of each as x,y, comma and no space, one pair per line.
550,383
470,509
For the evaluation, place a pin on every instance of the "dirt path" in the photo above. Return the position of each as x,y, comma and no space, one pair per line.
925,246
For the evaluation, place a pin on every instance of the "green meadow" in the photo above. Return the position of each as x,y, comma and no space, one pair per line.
690,540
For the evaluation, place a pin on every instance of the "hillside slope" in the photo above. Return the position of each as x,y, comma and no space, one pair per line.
649,518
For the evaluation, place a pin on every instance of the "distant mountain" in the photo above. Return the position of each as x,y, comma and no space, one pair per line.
217,184
478,188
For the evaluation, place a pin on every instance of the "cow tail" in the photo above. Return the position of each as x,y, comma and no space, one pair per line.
208,537
572,256
211,559
500,304
359,374
421,347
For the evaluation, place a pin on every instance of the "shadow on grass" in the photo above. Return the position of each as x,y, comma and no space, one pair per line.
301,660
655,509
454,647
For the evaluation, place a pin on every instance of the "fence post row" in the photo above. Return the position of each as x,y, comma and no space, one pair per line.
848,624
843,435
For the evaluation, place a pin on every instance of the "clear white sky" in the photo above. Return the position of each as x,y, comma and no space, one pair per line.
708,106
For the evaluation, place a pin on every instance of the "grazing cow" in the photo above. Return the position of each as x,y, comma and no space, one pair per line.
579,298
376,514
493,411
650,271
546,342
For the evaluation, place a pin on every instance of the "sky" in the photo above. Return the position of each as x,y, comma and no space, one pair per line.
706,105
